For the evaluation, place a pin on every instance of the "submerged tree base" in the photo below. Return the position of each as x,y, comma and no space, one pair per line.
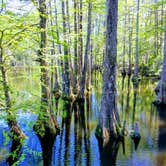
17,137
46,130
108,151
103,134
135,80
160,104
119,137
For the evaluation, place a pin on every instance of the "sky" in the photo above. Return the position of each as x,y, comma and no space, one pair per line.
20,7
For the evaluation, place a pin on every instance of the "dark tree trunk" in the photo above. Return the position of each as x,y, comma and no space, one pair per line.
109,117
108,153
15,151
162,92
87,48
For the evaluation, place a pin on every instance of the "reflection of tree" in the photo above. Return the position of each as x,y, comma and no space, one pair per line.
68,119
123,79
47,143
134,105
108,153
135,135
88,152
81,132
161,157
15,151
162,129
65,132
77,136
128,94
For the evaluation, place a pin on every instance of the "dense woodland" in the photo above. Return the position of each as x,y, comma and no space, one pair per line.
63,47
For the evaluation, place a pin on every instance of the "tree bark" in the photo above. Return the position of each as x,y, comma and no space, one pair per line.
66,81
135,76
109,117
55,87
130,46
87,48
162,92
124,41
46,126
76,45
15,131
80,42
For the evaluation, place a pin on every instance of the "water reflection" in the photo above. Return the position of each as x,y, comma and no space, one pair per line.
135,89
108,153
82,133
162,129
77,145
128,95
65,131
15,152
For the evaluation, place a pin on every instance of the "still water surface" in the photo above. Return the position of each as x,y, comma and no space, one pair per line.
77,144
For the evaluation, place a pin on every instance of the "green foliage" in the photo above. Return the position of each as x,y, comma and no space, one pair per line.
6,138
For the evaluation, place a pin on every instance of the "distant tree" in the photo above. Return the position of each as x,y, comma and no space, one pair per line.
135,76
66,74
87,51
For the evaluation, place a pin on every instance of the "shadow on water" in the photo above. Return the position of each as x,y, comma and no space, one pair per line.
109,152
65,132
122,104
81,133
128,95
134,105
135,127
162,129
47,148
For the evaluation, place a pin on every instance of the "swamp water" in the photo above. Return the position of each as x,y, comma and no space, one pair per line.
77,145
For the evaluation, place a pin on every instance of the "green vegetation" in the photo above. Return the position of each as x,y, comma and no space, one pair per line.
55,51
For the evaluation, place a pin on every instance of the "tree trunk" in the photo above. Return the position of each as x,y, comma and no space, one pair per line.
80,42
66,81
55,87
75,88
130,47
46,126
135,76
156,31
87,48
109,118
162,92
15,131
124,41
57,29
